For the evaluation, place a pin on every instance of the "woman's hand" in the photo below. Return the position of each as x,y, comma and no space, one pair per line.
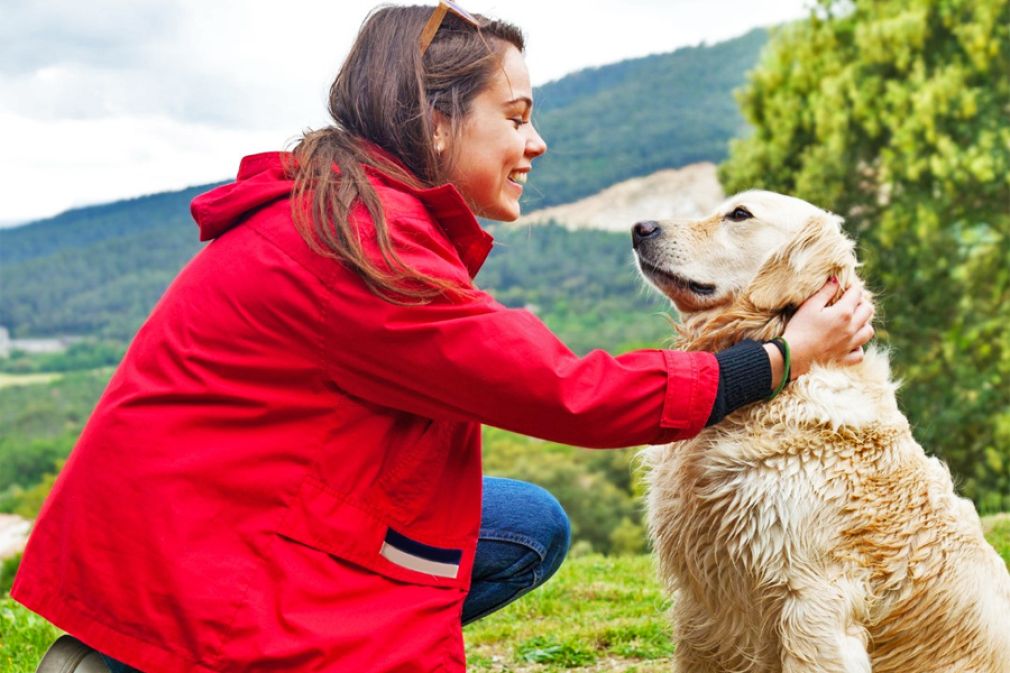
822,333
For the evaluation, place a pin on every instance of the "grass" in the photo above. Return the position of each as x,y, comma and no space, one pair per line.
24,636
997,531
598,615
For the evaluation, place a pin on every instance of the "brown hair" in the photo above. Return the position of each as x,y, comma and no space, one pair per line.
385,94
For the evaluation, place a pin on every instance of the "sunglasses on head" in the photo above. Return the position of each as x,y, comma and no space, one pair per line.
435,22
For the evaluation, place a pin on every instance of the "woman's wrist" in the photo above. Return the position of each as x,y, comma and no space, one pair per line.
777,363
785,377
744,377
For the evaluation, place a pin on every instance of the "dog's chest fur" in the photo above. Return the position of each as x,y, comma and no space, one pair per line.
822,490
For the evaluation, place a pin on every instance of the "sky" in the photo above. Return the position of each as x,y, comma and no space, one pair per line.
110,99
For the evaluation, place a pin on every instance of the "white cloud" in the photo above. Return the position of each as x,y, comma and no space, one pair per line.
113,98
68,163
35,34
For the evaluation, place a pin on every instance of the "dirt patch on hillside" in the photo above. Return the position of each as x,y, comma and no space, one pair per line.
691,191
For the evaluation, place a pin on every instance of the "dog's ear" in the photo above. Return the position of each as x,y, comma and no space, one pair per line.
801,267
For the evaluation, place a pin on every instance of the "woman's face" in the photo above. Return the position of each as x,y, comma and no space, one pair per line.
497,144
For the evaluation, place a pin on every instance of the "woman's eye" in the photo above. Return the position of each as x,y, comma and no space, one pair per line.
518,121
740,214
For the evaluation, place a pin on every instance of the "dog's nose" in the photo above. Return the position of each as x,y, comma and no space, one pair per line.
644,230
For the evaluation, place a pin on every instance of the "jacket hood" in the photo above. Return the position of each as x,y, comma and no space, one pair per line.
261,179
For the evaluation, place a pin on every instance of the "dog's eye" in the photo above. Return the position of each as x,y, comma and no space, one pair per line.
740,214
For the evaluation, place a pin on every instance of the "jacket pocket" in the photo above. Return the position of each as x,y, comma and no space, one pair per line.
326,520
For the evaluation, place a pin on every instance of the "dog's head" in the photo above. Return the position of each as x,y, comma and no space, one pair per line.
758,256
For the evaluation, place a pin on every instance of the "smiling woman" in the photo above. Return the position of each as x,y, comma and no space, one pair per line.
493,155
452,118
286,468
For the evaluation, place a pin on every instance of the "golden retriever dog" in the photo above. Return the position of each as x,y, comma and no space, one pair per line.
810,532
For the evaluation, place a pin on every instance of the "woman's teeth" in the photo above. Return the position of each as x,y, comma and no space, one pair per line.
518,177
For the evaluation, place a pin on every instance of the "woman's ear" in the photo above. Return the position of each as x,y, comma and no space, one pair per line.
443,128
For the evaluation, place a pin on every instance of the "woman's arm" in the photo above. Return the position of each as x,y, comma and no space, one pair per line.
475,359
478,360
749,371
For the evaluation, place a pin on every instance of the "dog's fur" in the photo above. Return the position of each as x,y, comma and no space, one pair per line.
811,532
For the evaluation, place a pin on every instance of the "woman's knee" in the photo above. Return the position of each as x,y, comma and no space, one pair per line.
532,512
558,533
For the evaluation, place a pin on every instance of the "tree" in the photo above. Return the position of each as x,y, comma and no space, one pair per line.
896,115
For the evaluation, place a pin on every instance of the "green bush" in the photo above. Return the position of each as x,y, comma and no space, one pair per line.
594,486
83,355
8,568
892,114
39,425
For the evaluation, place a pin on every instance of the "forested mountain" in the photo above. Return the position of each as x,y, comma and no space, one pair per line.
582,283
98,270
95,270
632,118
81,228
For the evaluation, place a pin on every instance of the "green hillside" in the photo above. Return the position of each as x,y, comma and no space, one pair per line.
632,118
95,270
582,283
82,228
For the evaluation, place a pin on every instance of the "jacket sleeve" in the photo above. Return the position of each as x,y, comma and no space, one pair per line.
475,359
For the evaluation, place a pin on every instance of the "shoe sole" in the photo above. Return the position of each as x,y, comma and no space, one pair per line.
69,655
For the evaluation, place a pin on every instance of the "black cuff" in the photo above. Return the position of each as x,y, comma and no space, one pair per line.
745,376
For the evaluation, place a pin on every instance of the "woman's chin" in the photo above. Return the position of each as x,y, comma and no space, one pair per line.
500,213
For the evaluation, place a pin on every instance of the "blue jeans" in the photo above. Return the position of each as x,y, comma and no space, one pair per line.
524,536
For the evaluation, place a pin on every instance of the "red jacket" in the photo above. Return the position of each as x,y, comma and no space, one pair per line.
284,473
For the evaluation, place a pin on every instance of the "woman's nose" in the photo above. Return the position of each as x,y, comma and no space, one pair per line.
535,144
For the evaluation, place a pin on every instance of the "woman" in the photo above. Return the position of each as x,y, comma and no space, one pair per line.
284,472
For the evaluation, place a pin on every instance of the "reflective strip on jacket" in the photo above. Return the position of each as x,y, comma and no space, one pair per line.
284,472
